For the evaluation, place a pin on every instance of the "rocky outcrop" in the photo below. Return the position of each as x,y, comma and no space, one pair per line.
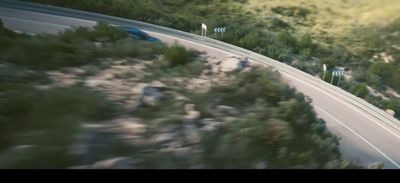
209,125
192,135
114,163
191,114
150,94
227,110
233,64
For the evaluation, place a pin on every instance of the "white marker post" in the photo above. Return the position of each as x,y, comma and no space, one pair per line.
333,76
324,67
340,73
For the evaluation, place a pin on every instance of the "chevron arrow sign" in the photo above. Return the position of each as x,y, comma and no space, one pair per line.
338,73
219,29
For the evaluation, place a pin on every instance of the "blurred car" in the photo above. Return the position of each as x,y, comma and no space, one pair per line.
138,34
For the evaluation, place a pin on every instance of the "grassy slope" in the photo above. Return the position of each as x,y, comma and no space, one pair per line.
336,21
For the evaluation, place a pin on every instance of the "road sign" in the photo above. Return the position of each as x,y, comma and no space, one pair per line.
219,29
203,26
324,67
338,73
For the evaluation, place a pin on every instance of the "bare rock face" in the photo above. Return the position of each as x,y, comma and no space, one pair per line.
138,89
128,128
162,137
150,93
199,85
209,125
233,64
191,114
158,84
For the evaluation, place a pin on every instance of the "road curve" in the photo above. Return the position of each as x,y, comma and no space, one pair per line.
367,133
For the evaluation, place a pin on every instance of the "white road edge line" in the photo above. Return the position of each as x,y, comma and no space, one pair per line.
348,105
358,135
34,21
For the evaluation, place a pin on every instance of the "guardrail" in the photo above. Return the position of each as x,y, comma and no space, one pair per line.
358,102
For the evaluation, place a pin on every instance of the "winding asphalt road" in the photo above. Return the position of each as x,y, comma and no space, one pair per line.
367,133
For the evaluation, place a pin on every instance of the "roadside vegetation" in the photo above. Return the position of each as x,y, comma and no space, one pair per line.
269,124
361,36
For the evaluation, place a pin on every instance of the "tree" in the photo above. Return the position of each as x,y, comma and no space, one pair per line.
305,41
287,39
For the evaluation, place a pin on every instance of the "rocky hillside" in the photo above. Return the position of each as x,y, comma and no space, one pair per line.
98,99
359,36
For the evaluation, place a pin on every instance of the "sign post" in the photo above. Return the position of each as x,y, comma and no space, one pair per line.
341,73
324,67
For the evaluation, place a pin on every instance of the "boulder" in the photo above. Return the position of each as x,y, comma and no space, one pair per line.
181,98
262,165
192,135
158,84
209,125
215,69
138,89
162,137
390,112
232,64
228,110
114,163
149,95
108,76
128,126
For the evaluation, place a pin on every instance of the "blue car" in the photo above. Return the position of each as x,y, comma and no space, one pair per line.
138,34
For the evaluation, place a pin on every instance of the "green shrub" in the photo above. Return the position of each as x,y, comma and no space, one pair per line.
195,68
359,90
48,121
73,47
177,55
